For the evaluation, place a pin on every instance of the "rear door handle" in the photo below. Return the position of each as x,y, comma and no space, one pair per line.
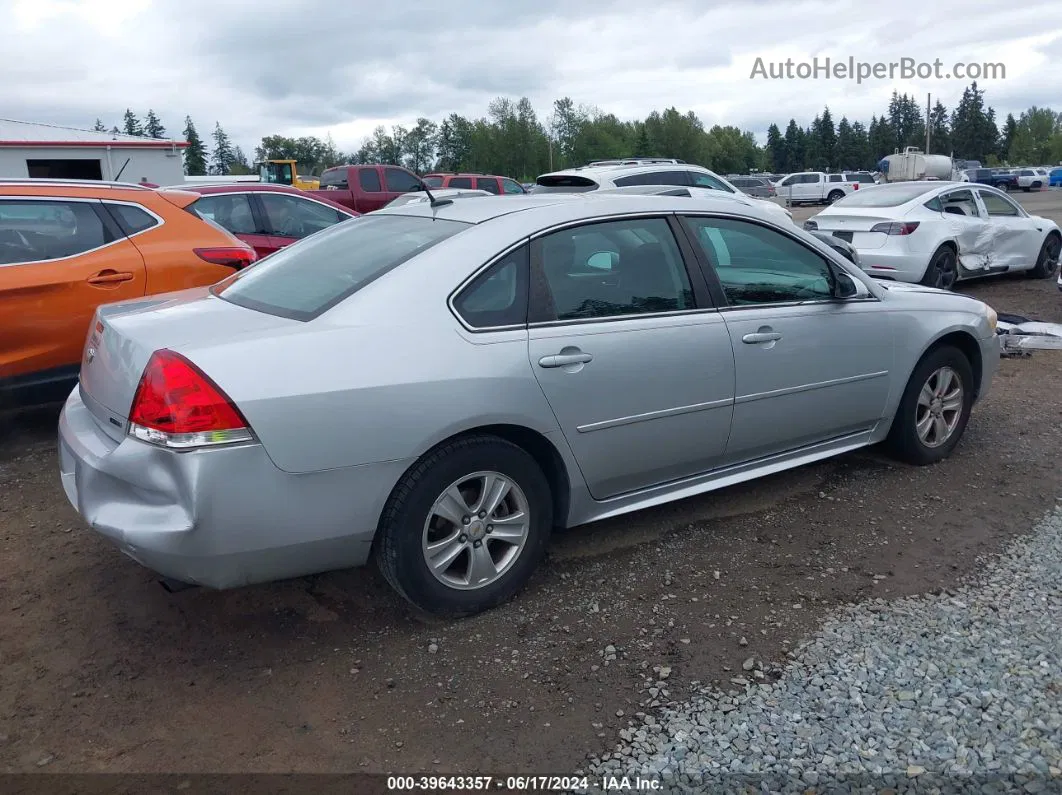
564,359
761,336
110,277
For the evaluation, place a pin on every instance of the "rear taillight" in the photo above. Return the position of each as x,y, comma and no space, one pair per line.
236,257
857,186
176,405
895,227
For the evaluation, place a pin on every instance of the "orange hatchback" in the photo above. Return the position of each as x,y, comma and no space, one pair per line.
68,246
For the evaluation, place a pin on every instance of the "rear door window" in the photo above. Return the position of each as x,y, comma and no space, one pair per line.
460,182
301,282
35,231
369,180
489,184
231,211
335,178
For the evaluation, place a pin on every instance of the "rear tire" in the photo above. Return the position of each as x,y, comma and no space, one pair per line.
1037,185
413,523
943,269
932,414
1047,263
835,195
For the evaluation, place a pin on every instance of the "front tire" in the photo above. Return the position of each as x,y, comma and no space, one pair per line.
1047,263
466,527
943,269
934,409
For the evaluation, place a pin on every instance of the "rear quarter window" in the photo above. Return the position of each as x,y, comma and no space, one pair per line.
131,220
303,281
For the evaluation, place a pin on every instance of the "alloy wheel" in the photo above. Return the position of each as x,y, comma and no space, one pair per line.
476,530
939,407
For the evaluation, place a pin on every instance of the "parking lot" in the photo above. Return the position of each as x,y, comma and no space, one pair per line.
101,669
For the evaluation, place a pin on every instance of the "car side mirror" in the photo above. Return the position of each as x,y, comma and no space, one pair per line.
844,286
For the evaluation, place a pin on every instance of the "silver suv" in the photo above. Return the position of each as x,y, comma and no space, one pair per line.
632,171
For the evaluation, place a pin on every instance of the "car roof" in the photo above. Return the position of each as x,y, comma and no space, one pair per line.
229,187
84,189
578,206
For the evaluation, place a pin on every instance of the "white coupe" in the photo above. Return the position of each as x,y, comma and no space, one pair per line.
936,233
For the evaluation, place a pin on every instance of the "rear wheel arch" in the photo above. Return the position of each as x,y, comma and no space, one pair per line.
532,442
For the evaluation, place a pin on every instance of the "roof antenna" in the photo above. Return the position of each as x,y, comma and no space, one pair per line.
432,200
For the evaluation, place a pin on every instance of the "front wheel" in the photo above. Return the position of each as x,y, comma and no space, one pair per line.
943,269
1047,263
466,527
934,409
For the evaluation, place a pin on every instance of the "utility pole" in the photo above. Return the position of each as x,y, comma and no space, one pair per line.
928,96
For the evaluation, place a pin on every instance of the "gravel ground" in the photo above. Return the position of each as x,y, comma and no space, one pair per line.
959,691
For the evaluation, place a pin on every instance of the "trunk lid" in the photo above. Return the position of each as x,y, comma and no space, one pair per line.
123,336
854,227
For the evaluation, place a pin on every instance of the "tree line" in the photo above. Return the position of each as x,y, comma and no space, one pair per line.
222,159
511,139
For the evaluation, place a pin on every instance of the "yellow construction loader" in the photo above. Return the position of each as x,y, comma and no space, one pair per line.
285,172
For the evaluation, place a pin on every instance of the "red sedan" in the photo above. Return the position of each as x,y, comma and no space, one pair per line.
266,217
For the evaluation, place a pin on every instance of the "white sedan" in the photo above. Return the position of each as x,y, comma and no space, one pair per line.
936,233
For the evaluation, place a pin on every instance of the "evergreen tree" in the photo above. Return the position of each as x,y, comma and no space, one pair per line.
814,156
1010,130
939,132
643,147
794,148
973,127
99,127
153,127
132,123
864,158
827,136
195,154
223,156
776,150
115,130
846,158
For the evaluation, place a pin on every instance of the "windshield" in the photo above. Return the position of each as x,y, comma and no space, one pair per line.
313,275
884,195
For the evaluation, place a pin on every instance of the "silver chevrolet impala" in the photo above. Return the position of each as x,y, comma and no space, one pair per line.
439,385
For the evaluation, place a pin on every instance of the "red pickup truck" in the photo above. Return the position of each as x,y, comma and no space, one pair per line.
367,187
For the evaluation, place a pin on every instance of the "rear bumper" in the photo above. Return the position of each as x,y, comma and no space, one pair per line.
902,266
221,518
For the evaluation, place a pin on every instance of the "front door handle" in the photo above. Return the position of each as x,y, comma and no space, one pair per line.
565,359
110,277
761,336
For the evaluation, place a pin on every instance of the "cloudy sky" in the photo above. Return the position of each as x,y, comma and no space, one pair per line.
313,67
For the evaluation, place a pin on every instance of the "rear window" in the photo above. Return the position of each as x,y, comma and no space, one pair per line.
883,196
564,183
302,281
433,182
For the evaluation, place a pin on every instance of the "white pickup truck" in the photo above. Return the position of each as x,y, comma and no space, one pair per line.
814,187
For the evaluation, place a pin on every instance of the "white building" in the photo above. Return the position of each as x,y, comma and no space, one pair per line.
45,150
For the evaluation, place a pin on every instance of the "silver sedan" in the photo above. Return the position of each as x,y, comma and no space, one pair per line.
439,385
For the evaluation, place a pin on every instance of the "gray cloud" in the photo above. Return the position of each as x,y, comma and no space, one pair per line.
311,66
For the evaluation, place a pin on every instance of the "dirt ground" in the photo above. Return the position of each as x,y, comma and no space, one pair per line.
101,669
